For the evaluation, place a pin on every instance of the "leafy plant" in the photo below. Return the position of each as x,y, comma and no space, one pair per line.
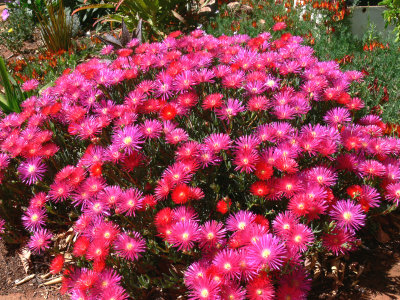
157,15
392,15
17,29
56,27
124,38
13,96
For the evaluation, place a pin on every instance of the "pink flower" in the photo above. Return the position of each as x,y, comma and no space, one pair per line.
279,26
184,234
32,170
130,245
348,215
227,262
39,241
30,85
267,251
34,218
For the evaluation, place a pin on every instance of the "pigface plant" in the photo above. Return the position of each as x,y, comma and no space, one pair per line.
199,166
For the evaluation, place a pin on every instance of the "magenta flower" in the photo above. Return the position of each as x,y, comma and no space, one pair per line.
128,139
268,251
39,241
348,215
32,170
30,85
34,218
240,220
184,234
130,245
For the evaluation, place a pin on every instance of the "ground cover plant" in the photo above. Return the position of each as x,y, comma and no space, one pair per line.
325,26
200,166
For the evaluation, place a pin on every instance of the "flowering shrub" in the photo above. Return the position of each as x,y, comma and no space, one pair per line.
223,162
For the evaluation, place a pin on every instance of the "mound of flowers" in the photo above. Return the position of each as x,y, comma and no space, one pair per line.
201,166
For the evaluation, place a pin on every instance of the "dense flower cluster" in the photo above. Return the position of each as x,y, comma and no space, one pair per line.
187,130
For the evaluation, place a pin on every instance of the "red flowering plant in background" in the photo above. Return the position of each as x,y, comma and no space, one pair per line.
204,166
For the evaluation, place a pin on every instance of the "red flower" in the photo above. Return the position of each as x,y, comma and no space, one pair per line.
263,171
168,112
95,170
181,194
354,191
259,188
224,205
57,264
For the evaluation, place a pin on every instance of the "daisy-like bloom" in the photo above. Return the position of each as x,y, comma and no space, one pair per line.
96,208
294,285
348,215
39,241
184,234
57,264
337,116
393,192
59,191
263,170
184,213
181,193
355,104
32,170
176,136
260,288
30,85
217,142
187,100
284,223
229,109
204,289
279,26
371,168
115,292
108,278
258,103
369,197
212,234
194,272
300,237
130,245
339,241
80,247
246,161
212,101
110,195
106,50
239,220
34,218
224,205
97,251
322,176
105,232
227,262
184,81
255,87
128,139
130,201
267,251
232,291
259,188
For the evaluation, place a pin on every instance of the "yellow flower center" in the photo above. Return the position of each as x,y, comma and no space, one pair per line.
266,253
127,140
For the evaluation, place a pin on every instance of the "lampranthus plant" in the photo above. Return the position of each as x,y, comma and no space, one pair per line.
220,161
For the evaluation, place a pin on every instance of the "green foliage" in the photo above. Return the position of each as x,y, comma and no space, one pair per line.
56,27
13,96
17,29
392,15
158,15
